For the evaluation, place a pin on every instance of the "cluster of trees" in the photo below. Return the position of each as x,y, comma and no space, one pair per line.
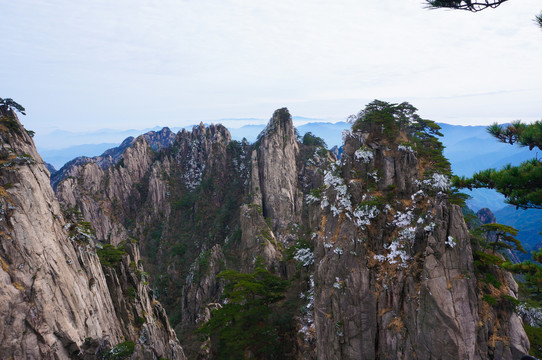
247,324
390,119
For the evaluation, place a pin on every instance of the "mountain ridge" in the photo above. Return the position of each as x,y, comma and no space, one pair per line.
208,203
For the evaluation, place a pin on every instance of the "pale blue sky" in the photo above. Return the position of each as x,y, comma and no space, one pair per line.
86,65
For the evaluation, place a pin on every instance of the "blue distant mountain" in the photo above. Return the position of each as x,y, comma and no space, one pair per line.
471,149
58,157
529,222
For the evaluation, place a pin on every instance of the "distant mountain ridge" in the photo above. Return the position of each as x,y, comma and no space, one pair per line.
469,149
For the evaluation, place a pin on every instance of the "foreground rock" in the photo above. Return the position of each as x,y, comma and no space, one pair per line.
57,301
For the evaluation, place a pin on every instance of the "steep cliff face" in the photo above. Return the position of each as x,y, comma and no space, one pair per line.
181,201
380,261
394,274
277,171
55,302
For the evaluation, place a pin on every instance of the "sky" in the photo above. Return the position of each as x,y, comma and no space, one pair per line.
135,64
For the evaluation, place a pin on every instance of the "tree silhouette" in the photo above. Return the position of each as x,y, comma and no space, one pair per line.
474,6
8,105
469,5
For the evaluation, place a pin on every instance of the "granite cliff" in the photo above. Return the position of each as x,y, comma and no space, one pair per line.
379,259
57,298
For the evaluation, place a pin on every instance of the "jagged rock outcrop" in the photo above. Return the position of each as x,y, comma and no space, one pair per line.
277,171
394,274
157,140
380,259
160,197
55,302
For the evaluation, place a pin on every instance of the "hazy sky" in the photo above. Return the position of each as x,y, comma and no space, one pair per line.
85,65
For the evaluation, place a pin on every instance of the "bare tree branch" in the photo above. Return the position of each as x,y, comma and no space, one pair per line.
468,5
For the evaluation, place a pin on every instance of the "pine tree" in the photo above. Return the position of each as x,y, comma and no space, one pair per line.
500,237
243,325
521,185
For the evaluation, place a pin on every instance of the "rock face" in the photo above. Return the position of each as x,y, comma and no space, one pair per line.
56,299
277,171
380,260
398,274
486,216
394,274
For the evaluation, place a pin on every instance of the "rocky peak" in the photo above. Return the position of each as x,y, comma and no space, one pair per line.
486,216
276,170
380,260
393,257
156,140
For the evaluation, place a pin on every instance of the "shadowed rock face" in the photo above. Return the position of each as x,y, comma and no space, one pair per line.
391,272
56,299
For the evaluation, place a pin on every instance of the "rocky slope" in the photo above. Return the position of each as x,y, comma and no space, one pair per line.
380,261
57,301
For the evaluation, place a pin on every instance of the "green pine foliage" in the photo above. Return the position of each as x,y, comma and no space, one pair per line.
521,185
388,120
7,118
310,139
469,5
535,338
110,255
464,4
500,237
245,323
121,351
9,104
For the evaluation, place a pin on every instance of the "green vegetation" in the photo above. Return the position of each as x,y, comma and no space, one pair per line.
532,276
140,321
121,351
8,105
521,185
7,119
387,121
464,4
535,338
489,299
110,255
131,293
501,237
245,323
310,139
